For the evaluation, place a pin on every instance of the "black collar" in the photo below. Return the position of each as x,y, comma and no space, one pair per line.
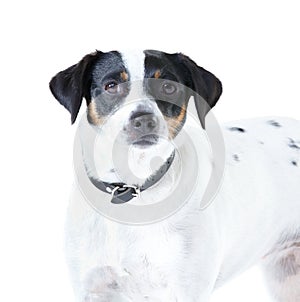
122,192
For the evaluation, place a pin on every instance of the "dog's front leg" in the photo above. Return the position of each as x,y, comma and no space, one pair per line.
202,260
198,287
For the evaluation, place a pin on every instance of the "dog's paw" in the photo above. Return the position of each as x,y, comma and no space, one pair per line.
101,279
103,284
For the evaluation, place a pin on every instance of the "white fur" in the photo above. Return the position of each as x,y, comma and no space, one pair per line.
134,61
186,256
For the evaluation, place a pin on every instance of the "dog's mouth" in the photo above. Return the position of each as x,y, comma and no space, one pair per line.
146,141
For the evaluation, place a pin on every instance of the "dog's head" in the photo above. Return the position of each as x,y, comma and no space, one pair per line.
141,96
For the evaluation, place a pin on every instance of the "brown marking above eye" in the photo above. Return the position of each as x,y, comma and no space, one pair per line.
174,123
124,76
93,115
157,74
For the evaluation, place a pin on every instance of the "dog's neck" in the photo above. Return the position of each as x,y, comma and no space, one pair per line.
101,160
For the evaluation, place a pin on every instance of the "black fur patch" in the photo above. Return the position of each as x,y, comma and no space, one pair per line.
202,84
236,157
292,144
170,106
86,79
238,129
106,70
274,123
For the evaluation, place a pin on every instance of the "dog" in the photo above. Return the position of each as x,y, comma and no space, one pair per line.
254,217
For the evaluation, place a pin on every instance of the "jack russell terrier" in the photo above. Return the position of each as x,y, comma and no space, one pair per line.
139,100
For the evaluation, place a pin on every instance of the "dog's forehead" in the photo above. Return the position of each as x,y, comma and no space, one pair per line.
134,62
142,63
138,64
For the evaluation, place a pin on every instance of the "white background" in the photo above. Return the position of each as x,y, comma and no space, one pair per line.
252,46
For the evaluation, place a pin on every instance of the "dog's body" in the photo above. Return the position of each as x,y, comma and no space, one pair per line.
254,217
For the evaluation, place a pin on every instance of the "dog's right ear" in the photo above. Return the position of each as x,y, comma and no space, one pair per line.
71,85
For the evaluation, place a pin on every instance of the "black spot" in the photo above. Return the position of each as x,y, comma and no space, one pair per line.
274,123
237,129
261,142
293,144
294,163
236,157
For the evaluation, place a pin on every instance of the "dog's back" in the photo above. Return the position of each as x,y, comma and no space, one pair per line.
259,201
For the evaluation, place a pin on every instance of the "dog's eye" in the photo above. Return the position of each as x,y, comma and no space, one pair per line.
169,88
112,87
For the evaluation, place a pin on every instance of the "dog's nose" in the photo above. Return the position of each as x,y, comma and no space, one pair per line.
143,122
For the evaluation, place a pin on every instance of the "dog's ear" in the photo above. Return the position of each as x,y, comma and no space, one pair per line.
71,85
206,86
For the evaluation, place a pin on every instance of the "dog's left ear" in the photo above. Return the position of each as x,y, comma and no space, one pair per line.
71,85
207,87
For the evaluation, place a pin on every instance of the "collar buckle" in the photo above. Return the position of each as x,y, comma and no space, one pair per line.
112,191
122,188
137,190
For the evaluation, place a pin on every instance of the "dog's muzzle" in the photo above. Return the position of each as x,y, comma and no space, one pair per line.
143,128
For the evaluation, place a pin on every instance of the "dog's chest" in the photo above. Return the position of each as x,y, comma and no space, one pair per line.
142,258
143,249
